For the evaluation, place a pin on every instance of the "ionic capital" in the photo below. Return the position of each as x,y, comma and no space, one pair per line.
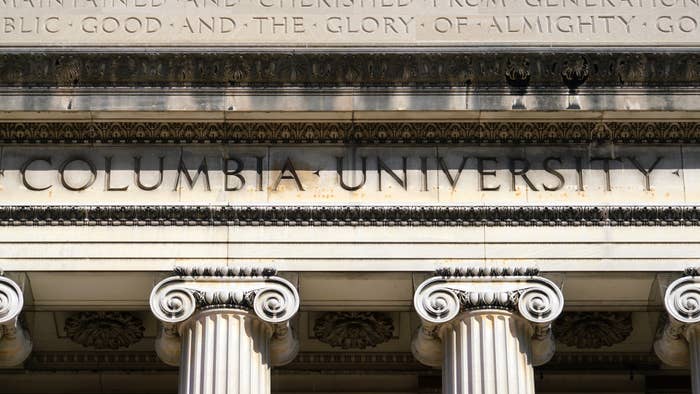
270,298
682,303
452,292
15,343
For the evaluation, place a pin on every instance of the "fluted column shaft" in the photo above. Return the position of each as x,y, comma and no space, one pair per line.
692,335
225,352
487,351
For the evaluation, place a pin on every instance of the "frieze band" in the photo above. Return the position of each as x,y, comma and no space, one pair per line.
350,132
455,216
484,69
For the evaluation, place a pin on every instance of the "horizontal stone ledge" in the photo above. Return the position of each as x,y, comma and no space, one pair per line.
347,132
330,361
188,215
517,70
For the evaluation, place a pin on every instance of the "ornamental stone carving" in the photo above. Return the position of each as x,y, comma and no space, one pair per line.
593,330
374,216
496,321
453,290
677,340
254,292
15,343
535,132
104,330
354,330
616,69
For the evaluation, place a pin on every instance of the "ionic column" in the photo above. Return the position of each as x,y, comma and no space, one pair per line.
487,328
679,342
15,343
225,328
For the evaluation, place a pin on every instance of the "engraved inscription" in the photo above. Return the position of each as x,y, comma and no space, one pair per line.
349,22
421,175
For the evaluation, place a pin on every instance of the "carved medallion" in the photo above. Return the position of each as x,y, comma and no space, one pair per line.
593,330
104,330
354,330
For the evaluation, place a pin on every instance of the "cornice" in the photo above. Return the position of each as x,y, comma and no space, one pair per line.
371,216
501,132
494,69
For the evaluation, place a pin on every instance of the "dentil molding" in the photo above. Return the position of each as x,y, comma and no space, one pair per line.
346,215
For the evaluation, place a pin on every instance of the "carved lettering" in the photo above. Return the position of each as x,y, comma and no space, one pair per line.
646,172
23,173
236,173
137,174
288,167
339,170
191,181
381,166
480,161
520,167
606,169
560,178
108,177
64,181
545,174
445,170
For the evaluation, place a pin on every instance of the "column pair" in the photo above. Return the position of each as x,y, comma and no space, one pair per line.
226,327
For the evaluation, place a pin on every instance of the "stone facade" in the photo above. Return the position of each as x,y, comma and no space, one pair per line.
390,196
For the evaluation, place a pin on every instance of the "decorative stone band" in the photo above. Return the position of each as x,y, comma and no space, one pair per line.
497,132
446,297
348,215
15,343
612,69
270,298
678,337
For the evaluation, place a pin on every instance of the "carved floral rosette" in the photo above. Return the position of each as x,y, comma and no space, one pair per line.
270,298
15,343
682,303
441,299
